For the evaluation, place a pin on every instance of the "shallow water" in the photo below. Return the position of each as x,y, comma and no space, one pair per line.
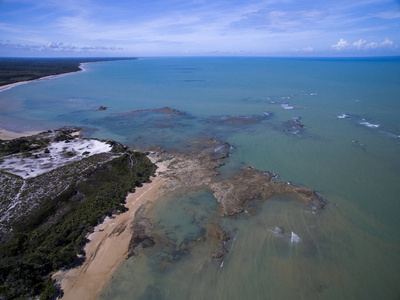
285,251
255,104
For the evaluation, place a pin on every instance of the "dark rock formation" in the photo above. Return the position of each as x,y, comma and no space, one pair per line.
293,126
196,167
164,110
220,237
248,184
249,119
141,232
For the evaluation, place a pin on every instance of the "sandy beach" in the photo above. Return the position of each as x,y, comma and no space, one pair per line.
11,85
10,135
108,246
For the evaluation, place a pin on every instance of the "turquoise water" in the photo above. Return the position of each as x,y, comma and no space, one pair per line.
348,251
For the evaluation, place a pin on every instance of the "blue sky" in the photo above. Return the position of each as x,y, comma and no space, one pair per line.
199,28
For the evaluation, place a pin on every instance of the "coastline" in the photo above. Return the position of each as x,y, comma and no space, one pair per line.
10,135
108,245
57,73
11,85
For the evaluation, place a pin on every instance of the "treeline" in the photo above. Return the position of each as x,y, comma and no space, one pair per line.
52,238
13,70
23,144
41,140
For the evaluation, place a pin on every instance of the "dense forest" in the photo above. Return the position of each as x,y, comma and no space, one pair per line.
13,70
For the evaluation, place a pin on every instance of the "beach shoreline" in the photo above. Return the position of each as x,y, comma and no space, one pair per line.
108,245
11,85
7,135
80,66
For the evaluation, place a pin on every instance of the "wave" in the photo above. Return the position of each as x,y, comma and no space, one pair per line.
370,125
286,106
343,116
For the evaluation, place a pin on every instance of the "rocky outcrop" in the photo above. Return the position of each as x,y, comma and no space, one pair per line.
196,167
219,236
164,110
233,194
141,231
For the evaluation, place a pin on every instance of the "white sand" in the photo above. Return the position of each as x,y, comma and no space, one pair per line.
41,162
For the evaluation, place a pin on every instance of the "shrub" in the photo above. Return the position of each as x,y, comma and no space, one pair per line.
51,238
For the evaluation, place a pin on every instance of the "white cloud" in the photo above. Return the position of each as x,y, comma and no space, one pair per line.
360,44
387,42
61,46
54,46
363,45
342,44
306,49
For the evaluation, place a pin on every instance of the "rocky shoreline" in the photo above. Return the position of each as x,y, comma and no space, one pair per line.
196,168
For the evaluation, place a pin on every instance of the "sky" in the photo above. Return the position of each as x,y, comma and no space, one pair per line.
142,28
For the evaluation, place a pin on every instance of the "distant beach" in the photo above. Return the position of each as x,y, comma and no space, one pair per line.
10,135
15,69
11,85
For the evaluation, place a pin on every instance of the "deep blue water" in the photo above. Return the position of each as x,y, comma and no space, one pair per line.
347,149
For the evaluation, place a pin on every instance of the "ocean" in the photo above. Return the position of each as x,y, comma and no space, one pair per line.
332,125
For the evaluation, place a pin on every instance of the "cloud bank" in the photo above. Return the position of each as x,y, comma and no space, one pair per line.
56,47
200,27
361,44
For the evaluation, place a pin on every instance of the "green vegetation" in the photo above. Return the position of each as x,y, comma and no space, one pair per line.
23,144
50,238
13,70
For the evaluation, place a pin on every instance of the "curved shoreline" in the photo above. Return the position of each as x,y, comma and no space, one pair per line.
10,135
11,85
108,246
107,249
80,62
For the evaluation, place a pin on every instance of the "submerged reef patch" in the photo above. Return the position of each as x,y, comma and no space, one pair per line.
245,119
233,194
197,167
164,110
294,126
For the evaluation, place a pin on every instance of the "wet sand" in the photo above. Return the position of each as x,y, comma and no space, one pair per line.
108,246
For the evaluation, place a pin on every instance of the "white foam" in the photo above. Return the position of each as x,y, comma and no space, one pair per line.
7,87
370,125
295,238
343,116
219,148
278,231
392,135
286,106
